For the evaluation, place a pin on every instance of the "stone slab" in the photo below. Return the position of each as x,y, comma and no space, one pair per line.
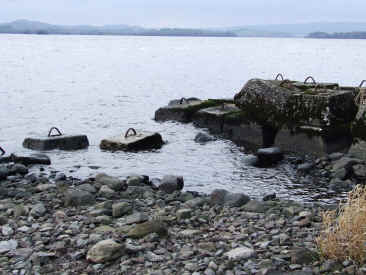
177,110
141,141
64,142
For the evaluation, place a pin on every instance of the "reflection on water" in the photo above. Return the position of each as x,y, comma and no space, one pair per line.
101,86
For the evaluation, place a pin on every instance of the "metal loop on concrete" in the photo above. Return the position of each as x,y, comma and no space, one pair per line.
279,75
183,99
55,135
128,131
362,82
2,151
309,77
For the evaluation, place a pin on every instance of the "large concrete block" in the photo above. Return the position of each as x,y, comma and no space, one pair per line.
213,118
56,141
133,141
291,103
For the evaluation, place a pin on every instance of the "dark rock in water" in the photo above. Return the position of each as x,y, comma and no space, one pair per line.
60,176
251,160
75,197
18,169
4,172
135,142
223,197
203,138
138,180
269,156
28,159
339,185
305,167
345,163
335,156
269,197
170,184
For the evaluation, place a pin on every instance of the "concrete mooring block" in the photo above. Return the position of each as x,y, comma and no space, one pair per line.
133,141
56,141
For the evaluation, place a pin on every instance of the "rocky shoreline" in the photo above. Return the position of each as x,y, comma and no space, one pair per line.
53,224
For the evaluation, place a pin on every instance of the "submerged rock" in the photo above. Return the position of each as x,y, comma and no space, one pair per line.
223,197
269,156
203,138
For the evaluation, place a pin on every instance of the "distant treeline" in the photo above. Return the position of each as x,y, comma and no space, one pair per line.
88,30
338,35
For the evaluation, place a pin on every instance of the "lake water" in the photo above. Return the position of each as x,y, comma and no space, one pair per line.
102,85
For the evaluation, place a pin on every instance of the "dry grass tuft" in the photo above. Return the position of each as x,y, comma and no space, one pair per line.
344,232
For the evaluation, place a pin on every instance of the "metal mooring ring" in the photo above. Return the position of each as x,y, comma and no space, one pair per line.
128,131
56,135
279,75
2,151
310,77
183,99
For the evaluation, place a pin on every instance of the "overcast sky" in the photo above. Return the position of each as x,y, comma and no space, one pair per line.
183,13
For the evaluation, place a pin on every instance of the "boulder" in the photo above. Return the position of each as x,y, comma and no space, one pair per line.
142,229
75,197
269,156
170,184
27,159
133,141
57,141
223,197
112,182
105,251
18,169
240,253
203,138
121,208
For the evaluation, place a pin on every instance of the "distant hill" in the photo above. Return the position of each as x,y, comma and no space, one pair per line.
338,35
280,30
34,27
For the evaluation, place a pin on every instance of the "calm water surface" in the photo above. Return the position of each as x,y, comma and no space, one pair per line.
102,85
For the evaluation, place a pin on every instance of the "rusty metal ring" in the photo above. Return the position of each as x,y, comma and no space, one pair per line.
2,151
362,82
182,100
130,129
310,77
56,135
279,75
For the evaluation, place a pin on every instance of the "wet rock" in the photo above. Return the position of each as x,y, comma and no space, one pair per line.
75,197
269,156
134,218
60,177
269,197
105,251
121,209
107,192
18,169
146,228
112,182
184,213
38,210
4,172
178,110
138,181
223,197
203,138
42,258
6,246
88,188
31,159
255,206
170,184
340,174
240,253
346,163
305,167
339,185
359,170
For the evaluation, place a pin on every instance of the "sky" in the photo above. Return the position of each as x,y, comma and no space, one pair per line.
183,13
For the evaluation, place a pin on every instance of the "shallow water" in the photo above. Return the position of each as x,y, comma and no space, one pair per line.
102,85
